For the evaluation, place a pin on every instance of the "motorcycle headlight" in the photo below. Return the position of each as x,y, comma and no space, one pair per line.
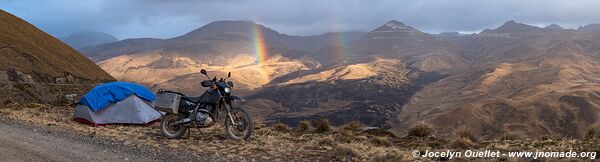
227,90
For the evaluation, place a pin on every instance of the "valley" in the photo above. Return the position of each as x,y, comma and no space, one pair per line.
390,77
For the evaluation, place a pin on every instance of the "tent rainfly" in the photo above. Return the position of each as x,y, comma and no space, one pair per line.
117,103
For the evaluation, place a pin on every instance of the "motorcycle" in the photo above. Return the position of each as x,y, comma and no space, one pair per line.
203,111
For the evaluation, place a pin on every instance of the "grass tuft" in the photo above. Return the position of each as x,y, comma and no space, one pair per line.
421,130
381,141
303,126
321,125
280,127
462,143
465,132
354,126
327,141
593,132
345,151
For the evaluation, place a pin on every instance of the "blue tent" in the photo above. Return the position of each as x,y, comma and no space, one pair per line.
105,94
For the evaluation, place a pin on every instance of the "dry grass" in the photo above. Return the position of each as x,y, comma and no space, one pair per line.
344,136
462,143
343,151
327,141
36,51
281,127
513,136
272,144
303,126
421,130
391,155
354,126
464,132
321,125
381,141
593,132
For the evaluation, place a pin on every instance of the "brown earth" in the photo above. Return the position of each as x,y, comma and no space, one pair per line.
27,49
515,77
36,67
347,143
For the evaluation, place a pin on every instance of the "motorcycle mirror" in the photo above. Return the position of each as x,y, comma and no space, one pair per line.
203,72
228,74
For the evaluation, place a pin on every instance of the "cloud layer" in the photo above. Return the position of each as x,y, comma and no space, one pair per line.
167,18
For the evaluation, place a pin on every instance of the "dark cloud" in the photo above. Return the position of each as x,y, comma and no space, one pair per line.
168,18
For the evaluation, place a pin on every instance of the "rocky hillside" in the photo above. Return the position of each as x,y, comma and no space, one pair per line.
379,74
33,63
536,81
514,78
219,47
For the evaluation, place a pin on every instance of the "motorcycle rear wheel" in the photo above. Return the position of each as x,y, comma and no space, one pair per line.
243,128
172,132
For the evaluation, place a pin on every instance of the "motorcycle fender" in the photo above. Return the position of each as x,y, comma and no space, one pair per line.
237,98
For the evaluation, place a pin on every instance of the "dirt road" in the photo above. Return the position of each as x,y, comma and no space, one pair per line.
23,142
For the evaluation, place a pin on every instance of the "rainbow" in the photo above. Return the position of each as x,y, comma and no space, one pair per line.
336,39
337,50
260,49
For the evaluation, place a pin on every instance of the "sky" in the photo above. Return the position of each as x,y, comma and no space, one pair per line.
171,18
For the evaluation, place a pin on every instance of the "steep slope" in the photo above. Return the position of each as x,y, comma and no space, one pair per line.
28,57
88,38
123,47
381,71
220,47
369,92
420,50
526,79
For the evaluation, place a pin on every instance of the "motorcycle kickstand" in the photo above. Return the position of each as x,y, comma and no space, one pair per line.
188,134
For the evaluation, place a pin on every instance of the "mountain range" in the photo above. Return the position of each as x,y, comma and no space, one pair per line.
88,38
513,78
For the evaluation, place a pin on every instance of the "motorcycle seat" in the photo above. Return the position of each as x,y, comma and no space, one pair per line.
193,99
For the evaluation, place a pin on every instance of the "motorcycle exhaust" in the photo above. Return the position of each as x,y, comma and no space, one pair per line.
181,122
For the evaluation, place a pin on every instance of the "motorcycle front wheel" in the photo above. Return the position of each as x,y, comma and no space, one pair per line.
172,131
242,129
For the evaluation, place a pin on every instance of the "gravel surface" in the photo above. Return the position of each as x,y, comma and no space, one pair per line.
24,142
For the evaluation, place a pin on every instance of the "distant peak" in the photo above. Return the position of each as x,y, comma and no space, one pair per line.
215,28
511,22
553,26
395,25
232,22
511,26
589,27
394,22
